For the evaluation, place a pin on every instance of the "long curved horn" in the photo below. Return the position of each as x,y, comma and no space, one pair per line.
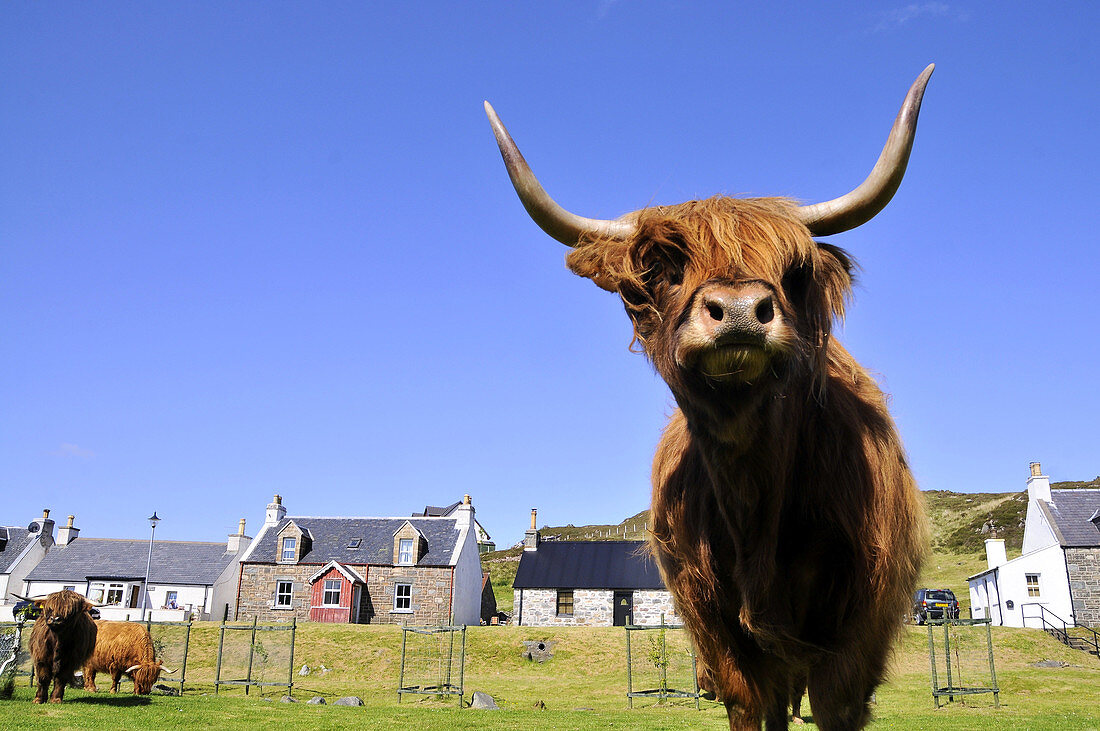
564,226
131,669
165,670
860,206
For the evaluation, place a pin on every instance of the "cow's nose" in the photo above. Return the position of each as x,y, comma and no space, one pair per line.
738,314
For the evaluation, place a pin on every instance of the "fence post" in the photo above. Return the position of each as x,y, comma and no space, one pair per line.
218,670
992,671
629,672
251,653
290,675
401,681
462,669
947,658
186,646
932,659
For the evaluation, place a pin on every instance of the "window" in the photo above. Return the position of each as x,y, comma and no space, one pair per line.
1032,584
289,544
565,602
284,592
402,597
95,593
355,543
69,587
170,599
405,552
114,594
332,593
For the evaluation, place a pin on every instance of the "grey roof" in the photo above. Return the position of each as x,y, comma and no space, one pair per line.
174,562
1071,510
18,538
588,565
331,538
434,511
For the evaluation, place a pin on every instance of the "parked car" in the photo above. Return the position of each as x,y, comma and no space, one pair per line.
934,604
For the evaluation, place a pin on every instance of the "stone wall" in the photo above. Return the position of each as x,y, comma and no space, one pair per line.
1084,584
650,604
591,608
431,593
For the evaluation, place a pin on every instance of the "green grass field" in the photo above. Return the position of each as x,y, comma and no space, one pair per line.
582,687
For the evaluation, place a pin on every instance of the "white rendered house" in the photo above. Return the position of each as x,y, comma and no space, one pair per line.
1059,568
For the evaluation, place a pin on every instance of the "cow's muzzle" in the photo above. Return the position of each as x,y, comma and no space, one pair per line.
737,315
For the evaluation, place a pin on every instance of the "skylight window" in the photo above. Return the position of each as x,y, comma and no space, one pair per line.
355,543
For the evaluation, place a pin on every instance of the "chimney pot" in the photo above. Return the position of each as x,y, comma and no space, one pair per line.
1036,469
534,517
45,514
466,499
278,500
240,528
70,523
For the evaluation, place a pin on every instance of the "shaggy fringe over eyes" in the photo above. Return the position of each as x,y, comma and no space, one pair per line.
678,248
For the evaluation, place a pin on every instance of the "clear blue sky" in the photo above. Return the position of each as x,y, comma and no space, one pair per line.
251,248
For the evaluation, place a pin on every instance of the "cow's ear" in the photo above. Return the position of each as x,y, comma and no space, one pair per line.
601,261
835,276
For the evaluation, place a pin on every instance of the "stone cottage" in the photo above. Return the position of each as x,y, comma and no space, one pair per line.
418,570
588,583
1059,568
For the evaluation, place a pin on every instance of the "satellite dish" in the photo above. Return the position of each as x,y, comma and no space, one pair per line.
34,527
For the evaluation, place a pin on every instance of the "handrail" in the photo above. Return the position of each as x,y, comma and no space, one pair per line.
1062,633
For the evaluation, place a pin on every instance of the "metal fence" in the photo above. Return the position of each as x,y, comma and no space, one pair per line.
429,663
965,666
246,658
660,663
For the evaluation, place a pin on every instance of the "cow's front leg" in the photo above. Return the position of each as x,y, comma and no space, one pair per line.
116,678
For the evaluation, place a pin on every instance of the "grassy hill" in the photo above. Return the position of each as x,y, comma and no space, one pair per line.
960,522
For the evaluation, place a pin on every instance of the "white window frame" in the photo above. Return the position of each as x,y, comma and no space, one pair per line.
292,550
405,557
96,591
398,599
118,588
289,594
1030,585
171,597
338,588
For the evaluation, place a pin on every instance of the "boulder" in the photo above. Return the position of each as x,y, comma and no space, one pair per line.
348,700
288,699
304,671
316,701
483,701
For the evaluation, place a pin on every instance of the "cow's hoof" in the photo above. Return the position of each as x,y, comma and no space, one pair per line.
798,721
36,700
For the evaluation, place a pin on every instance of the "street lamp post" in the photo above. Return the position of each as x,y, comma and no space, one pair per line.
153,520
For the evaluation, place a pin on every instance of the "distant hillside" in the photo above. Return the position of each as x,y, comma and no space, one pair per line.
961,521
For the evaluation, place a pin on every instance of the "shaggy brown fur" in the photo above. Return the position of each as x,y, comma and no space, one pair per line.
62,638
786,522
120,646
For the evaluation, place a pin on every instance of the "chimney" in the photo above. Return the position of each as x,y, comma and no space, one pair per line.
995,552
275,511
238,540
531,539
68,534
1038,484
464,514
45,533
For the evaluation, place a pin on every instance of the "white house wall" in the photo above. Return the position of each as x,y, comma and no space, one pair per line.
32,555
1038,532
467,581
1008,583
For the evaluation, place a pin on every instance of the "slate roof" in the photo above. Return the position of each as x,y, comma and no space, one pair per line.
1071,510
588,565
434,511
332,537
18,538
174,562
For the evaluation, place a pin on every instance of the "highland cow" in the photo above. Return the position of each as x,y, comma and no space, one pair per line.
786,522
62,638
124,648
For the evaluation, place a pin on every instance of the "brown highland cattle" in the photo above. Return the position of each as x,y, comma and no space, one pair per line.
124,648
786,522
62,638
